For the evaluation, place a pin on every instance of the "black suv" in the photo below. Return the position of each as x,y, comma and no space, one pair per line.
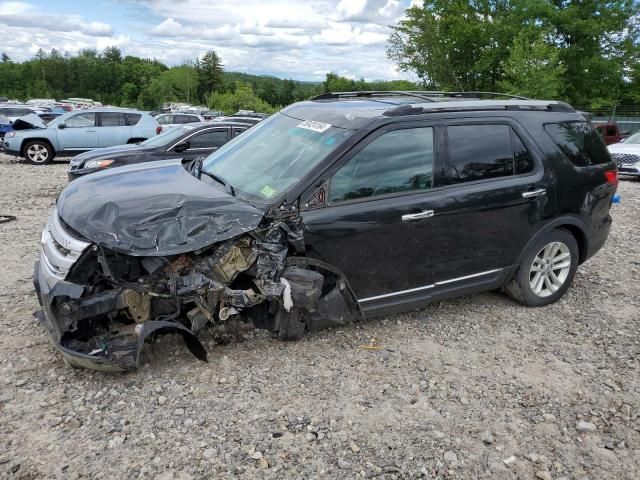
334,209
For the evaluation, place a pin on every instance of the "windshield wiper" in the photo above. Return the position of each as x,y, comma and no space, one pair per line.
198,172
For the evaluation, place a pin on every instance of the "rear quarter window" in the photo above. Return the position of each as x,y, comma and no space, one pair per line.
579,142
133,118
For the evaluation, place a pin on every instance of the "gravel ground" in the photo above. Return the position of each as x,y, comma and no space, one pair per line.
477,387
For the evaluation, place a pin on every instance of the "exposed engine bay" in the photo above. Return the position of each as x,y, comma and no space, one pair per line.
109,303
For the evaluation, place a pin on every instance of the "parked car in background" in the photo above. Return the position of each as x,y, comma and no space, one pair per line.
78,131
13,112
238,118
7,126
332,210
211,114
169,120
250,113
183,141
627,155
610,132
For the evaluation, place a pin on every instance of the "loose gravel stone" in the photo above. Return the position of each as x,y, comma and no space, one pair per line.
586,427
450,457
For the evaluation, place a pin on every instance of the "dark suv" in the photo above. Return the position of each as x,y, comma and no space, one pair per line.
338,208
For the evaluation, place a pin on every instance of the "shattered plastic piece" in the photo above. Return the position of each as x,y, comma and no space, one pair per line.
286,294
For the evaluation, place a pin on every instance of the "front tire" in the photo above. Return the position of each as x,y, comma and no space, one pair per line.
38,152
546,271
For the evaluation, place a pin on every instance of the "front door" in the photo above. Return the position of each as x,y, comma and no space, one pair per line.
202,143
79,133
376,226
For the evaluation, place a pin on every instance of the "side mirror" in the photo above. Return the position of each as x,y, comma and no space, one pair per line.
181,147
61,126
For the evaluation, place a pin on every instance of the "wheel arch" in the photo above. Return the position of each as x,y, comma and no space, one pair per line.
574,225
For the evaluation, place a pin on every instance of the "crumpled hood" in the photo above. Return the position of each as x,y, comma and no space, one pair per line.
28,122
153,209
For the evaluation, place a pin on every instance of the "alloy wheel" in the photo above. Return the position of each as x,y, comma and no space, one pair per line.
550,269
37,153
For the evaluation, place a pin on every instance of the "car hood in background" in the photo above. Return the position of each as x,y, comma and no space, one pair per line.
4,120
108,152
29,121
153,209
624,148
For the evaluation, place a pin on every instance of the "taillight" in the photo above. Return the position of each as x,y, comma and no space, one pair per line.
612,177
158,130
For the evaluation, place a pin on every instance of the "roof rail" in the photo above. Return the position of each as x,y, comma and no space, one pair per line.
422,94
373,93
477,93
465,107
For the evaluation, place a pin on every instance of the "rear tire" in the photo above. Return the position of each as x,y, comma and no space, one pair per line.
546,271
37,152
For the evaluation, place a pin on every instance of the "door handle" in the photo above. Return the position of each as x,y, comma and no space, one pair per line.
417,216
535,193
89,130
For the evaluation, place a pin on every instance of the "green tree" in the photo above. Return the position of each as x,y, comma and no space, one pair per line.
533,68
462,45
335,83
209,74
5,58
242,98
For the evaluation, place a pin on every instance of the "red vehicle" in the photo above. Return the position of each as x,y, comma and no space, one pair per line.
610,133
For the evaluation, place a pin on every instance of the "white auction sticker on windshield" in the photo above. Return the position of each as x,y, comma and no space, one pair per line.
315,126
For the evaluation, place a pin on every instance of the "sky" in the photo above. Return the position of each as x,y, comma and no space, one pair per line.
299,39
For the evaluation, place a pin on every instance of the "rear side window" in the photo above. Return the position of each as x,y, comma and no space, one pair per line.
397,161
112,119
165,119
210,139
481,152
185,119
132,118
579,142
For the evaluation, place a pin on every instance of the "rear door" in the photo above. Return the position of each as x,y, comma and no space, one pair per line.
80,132
113,129
498,195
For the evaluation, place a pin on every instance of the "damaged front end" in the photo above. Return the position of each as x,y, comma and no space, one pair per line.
100,304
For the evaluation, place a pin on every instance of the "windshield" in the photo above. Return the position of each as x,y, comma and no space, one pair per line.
635,138
269,158
167,137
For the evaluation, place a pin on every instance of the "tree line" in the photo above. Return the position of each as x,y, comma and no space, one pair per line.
129,81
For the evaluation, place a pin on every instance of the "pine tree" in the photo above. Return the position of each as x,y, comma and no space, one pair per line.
209,70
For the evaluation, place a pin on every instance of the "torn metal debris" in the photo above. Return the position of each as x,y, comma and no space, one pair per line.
134,273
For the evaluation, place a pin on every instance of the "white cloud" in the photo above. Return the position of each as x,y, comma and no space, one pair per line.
56,23
169,27
12,8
